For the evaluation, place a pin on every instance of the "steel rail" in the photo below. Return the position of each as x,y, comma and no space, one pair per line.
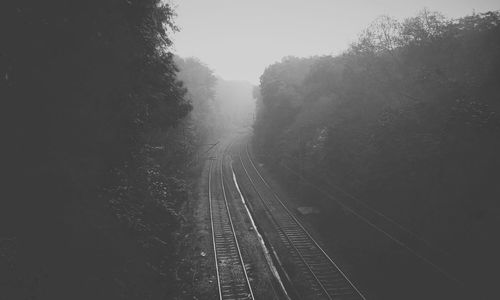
232,226
304,230
283,234
212,226
223,237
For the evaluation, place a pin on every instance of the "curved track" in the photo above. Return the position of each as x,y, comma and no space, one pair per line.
232,278
325,278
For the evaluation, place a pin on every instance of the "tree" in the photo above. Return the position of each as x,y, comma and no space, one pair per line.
88,84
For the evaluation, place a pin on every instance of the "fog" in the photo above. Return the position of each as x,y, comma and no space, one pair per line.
379,117
267,149
238,39
236,101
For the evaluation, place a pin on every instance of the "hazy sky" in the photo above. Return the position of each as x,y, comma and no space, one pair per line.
239,38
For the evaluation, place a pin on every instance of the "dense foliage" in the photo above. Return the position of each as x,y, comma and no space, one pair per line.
89,99
219,105
407,119
200,82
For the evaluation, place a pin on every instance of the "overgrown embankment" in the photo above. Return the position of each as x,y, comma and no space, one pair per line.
96,146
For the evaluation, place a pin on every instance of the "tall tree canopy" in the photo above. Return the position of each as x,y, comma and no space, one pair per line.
86,86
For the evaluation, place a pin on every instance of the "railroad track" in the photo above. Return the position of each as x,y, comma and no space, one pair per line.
411,242
232,278
325,279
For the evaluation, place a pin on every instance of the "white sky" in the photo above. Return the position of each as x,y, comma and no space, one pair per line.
239,38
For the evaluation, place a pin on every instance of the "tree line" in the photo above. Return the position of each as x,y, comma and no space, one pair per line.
407,118
100,121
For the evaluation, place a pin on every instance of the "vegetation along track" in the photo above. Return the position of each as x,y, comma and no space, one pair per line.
232,278
322,274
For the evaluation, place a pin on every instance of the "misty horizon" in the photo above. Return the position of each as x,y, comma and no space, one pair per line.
238,31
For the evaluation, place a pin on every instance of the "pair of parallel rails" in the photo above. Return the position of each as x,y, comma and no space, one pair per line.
324,277
232,277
